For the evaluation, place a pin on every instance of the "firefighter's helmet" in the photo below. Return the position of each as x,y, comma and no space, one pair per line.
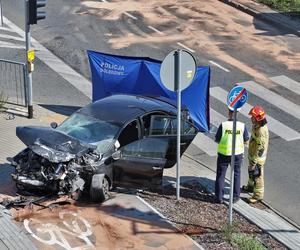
258,113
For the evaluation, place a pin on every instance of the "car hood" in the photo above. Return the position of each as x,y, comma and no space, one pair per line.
52,144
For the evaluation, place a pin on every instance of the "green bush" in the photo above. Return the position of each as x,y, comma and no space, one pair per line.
244,242
283,5
247,242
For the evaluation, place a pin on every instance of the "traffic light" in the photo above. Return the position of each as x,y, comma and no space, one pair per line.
33,14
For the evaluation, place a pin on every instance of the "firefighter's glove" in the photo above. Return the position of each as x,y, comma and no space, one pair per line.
256,172
251,167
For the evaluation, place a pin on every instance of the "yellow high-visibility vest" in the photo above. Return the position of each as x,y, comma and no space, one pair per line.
225,144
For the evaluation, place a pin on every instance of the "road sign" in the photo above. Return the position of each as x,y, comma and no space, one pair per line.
237,97
177,72
187,70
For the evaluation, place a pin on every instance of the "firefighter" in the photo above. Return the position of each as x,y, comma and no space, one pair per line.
257,154
224,139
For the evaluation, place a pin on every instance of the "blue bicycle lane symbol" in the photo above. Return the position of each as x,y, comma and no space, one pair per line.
233,94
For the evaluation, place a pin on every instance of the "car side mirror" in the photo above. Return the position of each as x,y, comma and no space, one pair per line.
53,125
116,155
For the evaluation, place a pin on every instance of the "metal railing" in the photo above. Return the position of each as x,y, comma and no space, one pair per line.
13,83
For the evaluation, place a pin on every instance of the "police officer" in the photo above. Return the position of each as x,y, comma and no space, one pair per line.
224,139
257,153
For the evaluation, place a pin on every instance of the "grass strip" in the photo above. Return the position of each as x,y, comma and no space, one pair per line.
287,6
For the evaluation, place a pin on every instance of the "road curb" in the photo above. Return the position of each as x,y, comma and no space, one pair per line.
166,220
281,20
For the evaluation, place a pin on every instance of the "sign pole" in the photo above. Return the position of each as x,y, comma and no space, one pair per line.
177,78
29,72
177,72
232,166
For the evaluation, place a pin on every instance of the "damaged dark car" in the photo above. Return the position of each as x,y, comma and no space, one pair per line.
121,140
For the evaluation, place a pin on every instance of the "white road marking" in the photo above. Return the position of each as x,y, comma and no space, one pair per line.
51,234
65,71
219,66
206,144
275,126
287,83
216,118
156,30
129,15
186,47
12,38
6,29
271,97
11,45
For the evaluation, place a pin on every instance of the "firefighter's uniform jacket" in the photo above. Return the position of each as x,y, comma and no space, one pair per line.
257,155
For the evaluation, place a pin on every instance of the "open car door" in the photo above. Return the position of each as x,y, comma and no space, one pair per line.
142,163
164,126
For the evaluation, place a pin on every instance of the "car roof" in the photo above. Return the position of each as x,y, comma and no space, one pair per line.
122,108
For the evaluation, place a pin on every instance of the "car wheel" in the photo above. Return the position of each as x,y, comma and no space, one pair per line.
99,189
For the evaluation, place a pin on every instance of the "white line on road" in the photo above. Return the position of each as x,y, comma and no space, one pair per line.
10,45
205,143
12,38
156,30
287,83
219,66
187,48
275,126
216,118
269,96
129,15
6,29
65,71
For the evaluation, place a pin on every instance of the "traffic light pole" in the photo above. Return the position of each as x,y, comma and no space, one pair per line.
29,72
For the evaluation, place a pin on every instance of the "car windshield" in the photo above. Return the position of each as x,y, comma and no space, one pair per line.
88,129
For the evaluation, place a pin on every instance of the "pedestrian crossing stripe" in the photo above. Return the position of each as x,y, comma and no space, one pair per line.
15,38
11,45
274,125
273,98
6,29
206,144
287,83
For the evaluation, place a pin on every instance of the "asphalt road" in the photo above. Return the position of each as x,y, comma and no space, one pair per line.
237,47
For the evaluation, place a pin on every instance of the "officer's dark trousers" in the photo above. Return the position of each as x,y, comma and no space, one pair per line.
222,164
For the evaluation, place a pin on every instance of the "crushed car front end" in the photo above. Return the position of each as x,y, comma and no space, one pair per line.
53,162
